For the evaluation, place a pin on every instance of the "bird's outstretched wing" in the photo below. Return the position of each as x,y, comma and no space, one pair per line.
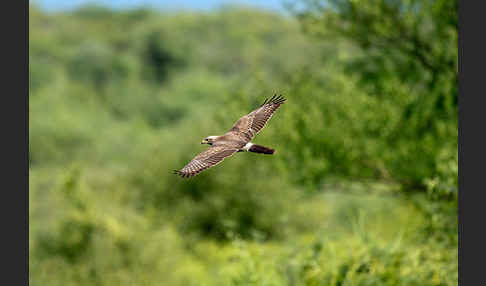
206,159
253,122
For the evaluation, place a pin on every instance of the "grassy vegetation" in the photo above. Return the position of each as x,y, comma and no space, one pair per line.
362,189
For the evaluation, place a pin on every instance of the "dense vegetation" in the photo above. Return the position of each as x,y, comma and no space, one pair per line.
362,189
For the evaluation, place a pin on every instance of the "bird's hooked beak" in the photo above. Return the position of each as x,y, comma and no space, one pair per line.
204,141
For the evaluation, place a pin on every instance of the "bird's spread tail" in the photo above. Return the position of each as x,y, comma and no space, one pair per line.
261,149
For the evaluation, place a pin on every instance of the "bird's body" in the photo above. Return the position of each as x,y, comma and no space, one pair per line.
238,139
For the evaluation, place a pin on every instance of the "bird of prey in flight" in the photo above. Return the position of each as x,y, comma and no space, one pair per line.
238,139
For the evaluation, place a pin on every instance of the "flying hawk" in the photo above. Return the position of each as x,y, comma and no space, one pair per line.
236,140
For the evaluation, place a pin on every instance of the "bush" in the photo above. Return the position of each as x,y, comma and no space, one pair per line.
95,63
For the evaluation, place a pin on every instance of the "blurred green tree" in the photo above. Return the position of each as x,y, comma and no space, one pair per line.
404,53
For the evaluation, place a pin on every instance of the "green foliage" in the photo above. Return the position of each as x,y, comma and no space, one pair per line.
156,58
407,55
362,189
96,64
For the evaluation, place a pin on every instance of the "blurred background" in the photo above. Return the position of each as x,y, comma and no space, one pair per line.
361,191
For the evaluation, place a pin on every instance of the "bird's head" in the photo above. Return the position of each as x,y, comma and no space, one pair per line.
208,140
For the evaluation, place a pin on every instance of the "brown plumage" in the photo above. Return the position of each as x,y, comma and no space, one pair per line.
236,140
